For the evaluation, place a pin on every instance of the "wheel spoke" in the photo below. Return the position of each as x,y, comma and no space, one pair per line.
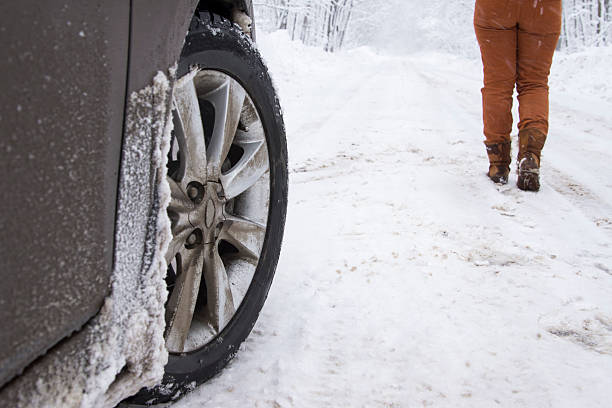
253,130
251,166
220,303
177,243
227,100
245,235
178,212
191,131
179,202
179,311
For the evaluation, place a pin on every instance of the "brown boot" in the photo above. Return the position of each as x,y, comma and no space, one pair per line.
499,161
531,142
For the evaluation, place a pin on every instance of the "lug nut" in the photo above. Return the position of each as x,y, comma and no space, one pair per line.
243,127
192,192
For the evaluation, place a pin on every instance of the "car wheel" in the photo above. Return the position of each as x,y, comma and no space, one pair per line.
227,170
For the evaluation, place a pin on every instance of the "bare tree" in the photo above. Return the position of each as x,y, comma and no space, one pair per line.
315,22
586,23
415,24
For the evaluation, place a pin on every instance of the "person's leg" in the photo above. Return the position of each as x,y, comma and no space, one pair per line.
496,31
539,30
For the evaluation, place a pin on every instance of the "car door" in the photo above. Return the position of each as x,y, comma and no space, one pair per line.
63,70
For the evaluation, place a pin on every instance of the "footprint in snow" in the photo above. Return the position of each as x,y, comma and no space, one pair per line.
583,326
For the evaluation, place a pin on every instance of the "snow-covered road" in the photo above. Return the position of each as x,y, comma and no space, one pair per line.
407,278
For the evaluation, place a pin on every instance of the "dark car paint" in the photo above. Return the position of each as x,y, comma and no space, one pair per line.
64,72
158,31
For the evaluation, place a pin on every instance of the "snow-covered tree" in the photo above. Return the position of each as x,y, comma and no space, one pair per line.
415,24
586,23
314,22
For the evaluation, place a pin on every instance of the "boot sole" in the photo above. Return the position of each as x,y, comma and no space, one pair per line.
528,181
500,176
499,180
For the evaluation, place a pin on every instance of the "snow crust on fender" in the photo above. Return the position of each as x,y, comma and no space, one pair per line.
122,348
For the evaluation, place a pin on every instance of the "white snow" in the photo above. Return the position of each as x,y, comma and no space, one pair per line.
407,278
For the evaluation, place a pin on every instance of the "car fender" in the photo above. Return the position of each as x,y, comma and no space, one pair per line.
122,349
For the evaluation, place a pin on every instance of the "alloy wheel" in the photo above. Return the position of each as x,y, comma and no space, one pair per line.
218,173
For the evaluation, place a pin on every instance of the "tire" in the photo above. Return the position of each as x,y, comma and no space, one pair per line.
215,44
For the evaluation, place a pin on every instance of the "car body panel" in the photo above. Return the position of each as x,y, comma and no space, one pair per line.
63,71
158,32
74,76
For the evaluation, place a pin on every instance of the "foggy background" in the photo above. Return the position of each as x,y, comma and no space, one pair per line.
405,26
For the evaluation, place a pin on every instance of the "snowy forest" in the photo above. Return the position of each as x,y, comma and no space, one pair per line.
414,24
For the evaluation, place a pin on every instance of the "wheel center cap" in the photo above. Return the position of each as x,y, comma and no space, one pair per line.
209,213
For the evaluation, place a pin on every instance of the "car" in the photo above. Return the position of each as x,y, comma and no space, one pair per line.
144,185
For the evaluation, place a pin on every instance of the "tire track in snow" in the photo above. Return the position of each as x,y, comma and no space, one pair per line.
589,203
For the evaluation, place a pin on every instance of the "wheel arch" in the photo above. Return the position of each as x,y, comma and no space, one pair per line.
159,28
225,7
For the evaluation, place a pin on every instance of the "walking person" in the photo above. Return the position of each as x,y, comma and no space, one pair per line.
517,41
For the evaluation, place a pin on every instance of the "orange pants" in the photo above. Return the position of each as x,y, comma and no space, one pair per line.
517,41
